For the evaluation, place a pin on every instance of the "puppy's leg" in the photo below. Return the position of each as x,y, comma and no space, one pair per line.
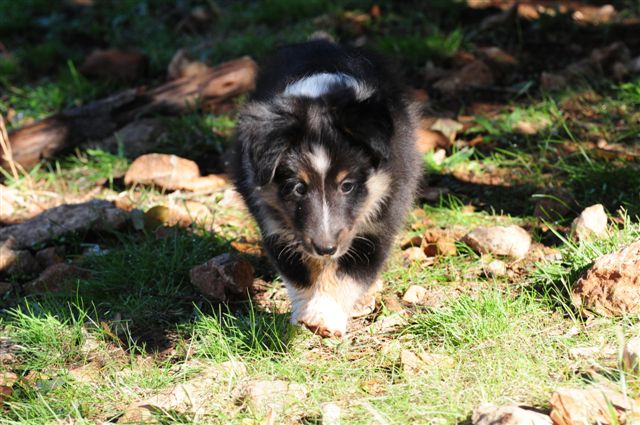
325,306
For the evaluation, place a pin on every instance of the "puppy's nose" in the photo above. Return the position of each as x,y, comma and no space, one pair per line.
325,250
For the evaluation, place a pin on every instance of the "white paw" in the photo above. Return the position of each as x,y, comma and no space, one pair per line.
322,315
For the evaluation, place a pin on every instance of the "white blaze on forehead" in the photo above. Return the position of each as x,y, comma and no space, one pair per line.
319,160
317,85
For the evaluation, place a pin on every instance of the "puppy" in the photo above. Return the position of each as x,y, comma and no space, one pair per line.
325,159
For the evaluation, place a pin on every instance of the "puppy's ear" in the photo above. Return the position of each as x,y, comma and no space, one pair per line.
368,122
265,130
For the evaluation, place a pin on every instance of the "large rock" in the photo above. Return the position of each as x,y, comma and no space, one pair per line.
489,414
591,222
93,215
597,405
512,240
611,286
223,277
171,172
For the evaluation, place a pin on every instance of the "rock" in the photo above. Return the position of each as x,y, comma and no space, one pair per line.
414,294
430,140
631,355
94,215
414,254
489,414
210,183
49,256
330,414
223,277
166,171
231,198
495,268
411,363
388,323
512,240
412,241
572,406
18,262
136,138
449,128
53,279
611,286
414,363
392,303
7,380
114,64
476,74
182,214
275,395
591,222
364,307
182,65
443,245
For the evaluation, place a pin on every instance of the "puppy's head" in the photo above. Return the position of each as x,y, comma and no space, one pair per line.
319,165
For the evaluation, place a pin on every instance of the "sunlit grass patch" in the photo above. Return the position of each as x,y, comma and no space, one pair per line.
75,173
555,279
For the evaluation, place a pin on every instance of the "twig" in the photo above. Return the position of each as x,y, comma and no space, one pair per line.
6,149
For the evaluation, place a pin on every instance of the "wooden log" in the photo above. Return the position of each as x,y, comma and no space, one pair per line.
99,119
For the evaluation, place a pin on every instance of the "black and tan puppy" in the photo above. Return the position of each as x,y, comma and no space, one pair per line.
326,161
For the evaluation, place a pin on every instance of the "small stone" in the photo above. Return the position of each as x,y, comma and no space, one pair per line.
411,242
169,172
495,268
489,414
449,128
593,405
18,262
591,222
430,140
611,286
512,240
631,355
53,279
275,395
222,277
414,254
414,294
232,199
411,363
50,256
389,323
392,303
115,64
364,307
7,380
475,74
330,413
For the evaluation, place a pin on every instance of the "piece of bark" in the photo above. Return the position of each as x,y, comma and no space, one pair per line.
99,119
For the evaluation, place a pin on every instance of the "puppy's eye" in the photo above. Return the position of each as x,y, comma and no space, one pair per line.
347,186
300,189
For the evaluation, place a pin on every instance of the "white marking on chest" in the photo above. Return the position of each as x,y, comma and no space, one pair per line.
318,85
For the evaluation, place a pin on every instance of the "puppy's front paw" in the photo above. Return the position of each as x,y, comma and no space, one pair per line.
323,316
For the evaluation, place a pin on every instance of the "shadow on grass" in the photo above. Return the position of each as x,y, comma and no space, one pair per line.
138,296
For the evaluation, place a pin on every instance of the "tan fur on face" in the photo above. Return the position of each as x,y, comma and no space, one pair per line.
304,176
341,176
378,187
